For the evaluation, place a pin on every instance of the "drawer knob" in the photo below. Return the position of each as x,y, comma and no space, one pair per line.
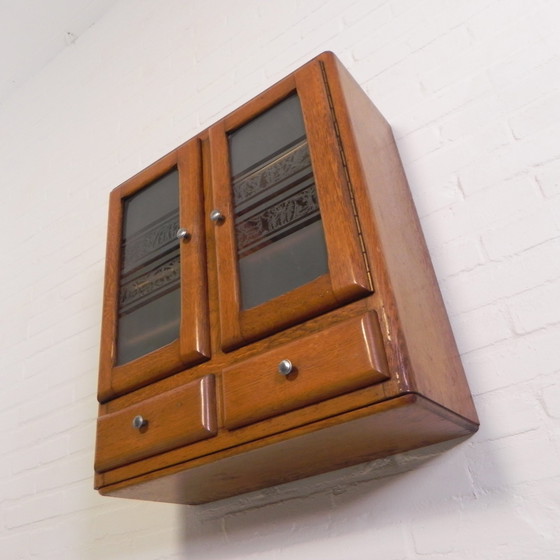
217,217
183,234
285,367
139,422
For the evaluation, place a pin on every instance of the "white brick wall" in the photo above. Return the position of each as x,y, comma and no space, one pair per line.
472,90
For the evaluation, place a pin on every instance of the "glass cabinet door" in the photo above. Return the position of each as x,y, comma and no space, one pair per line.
155,318
279,235
287,239
149,305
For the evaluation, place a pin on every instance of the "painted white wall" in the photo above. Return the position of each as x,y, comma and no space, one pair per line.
472,90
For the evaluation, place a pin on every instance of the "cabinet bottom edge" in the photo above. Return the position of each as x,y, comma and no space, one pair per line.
393,426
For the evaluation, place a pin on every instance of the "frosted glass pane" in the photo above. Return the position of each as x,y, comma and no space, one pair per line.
279,234
149,300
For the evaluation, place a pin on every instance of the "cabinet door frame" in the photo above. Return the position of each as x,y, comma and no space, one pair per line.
193,344
348,277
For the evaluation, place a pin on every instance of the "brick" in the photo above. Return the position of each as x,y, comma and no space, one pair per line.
541,114
60,475
47,403
526,84
448,531
375,13
471,118
512,362
19,392
538,506
47,540
490,169
515,68
481,327
23,460
16,543
80,438
432,52
37,508
508,412
17,487
318,34
547,176
134,519
450,72
536,308
550,398
521,234
53,449
418,143
538,149
510,461
459,255
432,187
486,284
483,23
343,546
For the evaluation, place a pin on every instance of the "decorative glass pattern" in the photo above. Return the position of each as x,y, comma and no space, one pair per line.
150,264
279,236
263,217
149,303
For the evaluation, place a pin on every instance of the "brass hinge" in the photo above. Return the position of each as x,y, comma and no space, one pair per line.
347,176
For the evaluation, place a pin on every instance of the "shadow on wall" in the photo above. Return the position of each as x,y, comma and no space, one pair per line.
384,492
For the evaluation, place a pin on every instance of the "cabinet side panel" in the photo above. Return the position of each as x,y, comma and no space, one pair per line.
389,218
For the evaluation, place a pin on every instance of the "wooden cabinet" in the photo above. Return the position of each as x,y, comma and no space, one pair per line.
270,309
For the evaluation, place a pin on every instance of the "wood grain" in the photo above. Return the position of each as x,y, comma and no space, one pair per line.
344,358
347,278
376,367
403,269
193,344
383,429
175,418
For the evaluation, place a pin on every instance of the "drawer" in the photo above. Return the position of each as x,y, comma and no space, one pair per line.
170,420
340,359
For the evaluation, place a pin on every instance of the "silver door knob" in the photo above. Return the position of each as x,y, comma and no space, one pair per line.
217,217
183,234
285,367
138,422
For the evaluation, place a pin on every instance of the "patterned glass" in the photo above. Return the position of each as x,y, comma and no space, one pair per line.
278,229
149,298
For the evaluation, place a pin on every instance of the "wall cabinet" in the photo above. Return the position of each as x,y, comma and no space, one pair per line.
270,309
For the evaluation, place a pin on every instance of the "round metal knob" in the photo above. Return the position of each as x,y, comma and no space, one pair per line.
183,234
217,217
285,367
139,422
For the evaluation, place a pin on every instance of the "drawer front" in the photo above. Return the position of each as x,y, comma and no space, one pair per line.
343,358
164,422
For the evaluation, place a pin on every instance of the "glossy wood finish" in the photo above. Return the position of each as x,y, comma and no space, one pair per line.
413,308
396,425
337,360
348,276
193,344
377,369
173,419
